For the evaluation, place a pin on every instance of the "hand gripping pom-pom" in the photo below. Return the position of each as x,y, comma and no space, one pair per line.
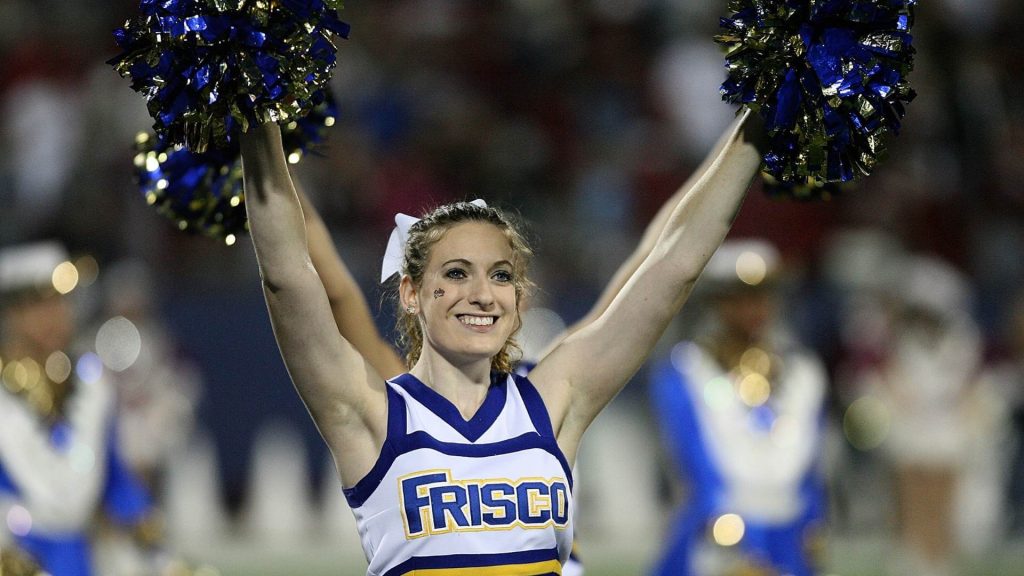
209,68
829,78
202,192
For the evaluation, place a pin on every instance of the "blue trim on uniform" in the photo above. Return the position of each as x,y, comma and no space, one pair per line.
473,560
541,419
398,442
534,406
473,428
526,441
357,494
396,413
393,448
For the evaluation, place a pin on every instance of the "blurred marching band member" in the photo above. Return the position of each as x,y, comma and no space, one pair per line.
928,378
59,462
741,410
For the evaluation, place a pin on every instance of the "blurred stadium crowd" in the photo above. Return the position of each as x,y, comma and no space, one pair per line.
583,116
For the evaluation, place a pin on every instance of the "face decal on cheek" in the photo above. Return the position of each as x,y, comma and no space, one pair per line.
438,293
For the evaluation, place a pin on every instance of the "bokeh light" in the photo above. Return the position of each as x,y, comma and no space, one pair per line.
65,277
88,270
728,530
58,367
118,343
757,360
718,393
89,368
19,521
754,389
866,423
751,268
14,376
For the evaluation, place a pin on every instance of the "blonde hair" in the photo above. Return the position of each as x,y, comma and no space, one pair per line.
423,235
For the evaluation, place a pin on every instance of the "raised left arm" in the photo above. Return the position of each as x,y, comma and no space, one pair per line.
583,373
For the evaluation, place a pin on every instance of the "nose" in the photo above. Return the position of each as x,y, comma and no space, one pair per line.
481,293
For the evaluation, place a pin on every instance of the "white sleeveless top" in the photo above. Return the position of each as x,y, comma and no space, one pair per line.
450,497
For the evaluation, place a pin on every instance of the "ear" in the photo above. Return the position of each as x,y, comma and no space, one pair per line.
408,294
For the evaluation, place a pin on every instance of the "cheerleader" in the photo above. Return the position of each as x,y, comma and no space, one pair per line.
355,323
456,463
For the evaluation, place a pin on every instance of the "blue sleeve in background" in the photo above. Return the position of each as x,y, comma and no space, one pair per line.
125,499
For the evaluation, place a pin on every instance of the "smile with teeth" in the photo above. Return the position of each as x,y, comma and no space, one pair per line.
476,320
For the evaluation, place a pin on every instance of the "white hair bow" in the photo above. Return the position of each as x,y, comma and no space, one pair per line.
395,252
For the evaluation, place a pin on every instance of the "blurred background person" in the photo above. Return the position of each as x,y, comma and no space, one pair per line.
157,387
927,378
741,408
59,466
157,390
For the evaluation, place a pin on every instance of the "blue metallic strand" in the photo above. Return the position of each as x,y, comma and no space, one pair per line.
829,77
211,67
202,192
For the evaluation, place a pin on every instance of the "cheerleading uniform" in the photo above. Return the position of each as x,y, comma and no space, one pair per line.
52,478
450,497
574,565
759,463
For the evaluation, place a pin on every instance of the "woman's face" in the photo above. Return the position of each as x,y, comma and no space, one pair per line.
467,300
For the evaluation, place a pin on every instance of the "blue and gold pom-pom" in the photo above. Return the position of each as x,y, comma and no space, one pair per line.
829,78
804,190
202,192
209,68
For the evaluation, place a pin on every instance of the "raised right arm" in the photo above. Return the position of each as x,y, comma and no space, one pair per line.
343,393
348,305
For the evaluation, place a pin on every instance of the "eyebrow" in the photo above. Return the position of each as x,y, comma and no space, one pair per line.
469,264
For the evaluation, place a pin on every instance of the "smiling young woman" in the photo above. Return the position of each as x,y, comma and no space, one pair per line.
472,261
458,466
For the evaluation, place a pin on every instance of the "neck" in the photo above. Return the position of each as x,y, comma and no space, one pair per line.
464,385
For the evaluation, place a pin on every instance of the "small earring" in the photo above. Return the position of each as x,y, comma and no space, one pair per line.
410,309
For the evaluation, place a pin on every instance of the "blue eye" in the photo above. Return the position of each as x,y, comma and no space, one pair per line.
502,276
455,274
